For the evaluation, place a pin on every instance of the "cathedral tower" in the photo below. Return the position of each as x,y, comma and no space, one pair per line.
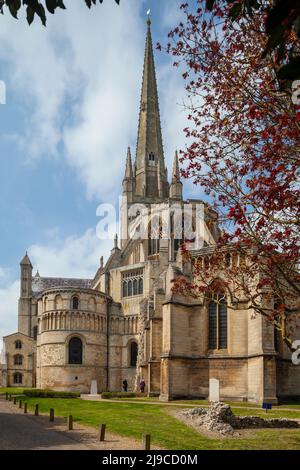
150,171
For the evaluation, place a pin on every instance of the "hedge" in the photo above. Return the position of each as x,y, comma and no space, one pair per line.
37,393
122,395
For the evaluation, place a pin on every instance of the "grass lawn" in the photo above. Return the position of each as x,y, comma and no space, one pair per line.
133,420
290,404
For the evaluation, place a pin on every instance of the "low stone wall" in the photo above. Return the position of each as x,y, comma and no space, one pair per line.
220,418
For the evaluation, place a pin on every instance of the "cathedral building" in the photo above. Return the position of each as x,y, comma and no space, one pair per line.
127,323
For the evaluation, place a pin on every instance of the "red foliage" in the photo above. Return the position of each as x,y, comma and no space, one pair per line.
244,141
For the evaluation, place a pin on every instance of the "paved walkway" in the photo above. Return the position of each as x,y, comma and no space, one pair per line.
28,432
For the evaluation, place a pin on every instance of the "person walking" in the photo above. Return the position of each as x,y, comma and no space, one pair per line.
142,386
125,385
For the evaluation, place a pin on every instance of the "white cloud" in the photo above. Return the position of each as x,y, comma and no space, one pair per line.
79,81
75,256
3,273
9,309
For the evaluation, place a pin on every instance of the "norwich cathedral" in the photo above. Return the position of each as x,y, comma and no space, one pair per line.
128,323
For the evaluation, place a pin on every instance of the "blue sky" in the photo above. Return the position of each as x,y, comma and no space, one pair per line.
71,110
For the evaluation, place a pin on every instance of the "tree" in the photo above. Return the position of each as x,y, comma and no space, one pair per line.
244,151
39,8
282,19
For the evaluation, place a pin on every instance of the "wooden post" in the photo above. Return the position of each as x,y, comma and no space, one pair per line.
51,414
146,441
20,404
6,396
36,411
25,408
15,400
70,422
102,428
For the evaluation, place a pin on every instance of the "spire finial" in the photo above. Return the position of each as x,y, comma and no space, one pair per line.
148,18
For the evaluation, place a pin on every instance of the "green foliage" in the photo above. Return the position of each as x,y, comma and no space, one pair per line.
36,7
37,393
122,395
13,390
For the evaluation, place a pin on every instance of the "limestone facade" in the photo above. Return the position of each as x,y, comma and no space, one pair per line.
126,322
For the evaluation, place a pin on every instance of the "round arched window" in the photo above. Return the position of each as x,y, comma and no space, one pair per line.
133,354
75,351
75,303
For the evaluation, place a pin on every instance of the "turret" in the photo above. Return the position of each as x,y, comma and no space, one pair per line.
128,180
24,313
176,184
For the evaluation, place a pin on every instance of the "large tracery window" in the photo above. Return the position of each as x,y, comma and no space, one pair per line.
132,283
75,351
217,314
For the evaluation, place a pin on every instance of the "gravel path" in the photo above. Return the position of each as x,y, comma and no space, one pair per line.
28,432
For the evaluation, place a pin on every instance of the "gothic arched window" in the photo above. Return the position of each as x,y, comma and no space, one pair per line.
133,354
35,332
75,303
217,319
75,351
151,158
129,287
18,360
135,287
18,378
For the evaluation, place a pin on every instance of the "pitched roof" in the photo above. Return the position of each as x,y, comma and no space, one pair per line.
39,284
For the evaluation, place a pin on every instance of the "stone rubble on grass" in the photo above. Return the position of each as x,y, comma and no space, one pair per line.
220,418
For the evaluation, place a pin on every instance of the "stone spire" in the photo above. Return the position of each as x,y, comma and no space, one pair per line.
128,181
175,170
128,169
150,171
176,184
